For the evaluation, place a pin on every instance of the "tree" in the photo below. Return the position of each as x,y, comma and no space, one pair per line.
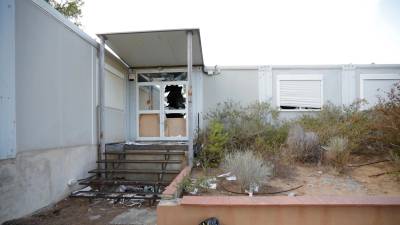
69,8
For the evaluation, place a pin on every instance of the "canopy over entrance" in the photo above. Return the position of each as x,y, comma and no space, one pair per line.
164,48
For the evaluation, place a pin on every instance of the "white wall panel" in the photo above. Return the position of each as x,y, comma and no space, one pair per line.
7,79
54,82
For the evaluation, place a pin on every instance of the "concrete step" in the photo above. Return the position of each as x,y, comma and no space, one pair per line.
157,146
144,152
128,171
140,161
122,182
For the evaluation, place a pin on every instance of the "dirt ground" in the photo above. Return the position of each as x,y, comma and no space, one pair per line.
72,211
320,180
314,180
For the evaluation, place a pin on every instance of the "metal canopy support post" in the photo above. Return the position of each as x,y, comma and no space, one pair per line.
101,95
190,116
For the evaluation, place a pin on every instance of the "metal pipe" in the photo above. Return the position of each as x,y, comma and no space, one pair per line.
101,95
189,36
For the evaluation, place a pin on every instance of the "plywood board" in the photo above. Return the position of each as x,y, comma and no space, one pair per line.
149,125
175,127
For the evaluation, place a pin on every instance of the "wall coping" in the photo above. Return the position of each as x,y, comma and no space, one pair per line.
291,201
171,191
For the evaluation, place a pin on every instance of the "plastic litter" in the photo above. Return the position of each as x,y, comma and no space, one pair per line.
210,221
212,186
225,174
231,178
194,191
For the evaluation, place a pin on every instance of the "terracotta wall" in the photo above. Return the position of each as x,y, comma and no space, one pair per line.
282,210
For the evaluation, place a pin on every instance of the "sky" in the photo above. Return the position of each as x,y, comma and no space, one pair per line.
275,32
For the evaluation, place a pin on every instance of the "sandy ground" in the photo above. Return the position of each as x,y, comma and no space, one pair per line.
321,180
84,212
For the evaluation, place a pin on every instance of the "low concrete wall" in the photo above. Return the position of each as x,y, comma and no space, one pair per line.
36,179
281,210
172,190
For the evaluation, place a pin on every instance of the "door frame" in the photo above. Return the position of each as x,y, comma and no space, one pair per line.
160,111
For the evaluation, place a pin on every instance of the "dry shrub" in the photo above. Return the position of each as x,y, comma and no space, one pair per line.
345,121
386,124
337,153
302,146
249,169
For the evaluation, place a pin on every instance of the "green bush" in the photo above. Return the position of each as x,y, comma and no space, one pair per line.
252,127
193,185
213,146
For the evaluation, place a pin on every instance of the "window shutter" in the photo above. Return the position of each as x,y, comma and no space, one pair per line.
300,93
375,88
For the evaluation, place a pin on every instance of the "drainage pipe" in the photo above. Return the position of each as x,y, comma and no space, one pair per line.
101,97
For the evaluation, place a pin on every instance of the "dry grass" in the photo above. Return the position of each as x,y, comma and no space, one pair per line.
249,169
338,153
302,146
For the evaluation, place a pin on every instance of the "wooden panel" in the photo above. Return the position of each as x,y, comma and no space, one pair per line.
175,127
149,125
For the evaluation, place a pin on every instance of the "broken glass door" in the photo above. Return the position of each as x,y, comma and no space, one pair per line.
162,103
175,110
149,110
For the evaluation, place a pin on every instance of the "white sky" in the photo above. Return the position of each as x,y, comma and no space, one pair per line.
265,32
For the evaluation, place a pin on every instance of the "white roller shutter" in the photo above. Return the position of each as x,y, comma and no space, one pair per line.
300,91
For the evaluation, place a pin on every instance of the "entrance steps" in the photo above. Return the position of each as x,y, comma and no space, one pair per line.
143,169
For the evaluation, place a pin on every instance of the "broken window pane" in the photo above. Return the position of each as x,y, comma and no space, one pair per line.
175,125
149,97
175,97
171,76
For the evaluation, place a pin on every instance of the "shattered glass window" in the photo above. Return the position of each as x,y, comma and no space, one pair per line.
175,97
170,76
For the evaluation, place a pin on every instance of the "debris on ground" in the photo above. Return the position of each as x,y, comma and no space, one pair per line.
93,212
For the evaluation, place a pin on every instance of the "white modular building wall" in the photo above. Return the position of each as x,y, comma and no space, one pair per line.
116,97
237,84
341,84
52,120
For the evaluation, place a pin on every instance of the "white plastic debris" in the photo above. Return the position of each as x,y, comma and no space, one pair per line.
256,188
292,194
194,191
71,182
212,186
121,188
231,178
88,188
225,174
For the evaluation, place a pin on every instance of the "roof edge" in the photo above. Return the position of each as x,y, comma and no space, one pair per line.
149,31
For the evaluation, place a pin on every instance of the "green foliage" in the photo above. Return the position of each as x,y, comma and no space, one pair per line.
215,141
252,127
188,184
69,8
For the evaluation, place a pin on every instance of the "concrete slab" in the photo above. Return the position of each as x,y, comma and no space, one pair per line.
137,216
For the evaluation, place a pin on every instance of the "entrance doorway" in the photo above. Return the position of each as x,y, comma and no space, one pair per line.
162,105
